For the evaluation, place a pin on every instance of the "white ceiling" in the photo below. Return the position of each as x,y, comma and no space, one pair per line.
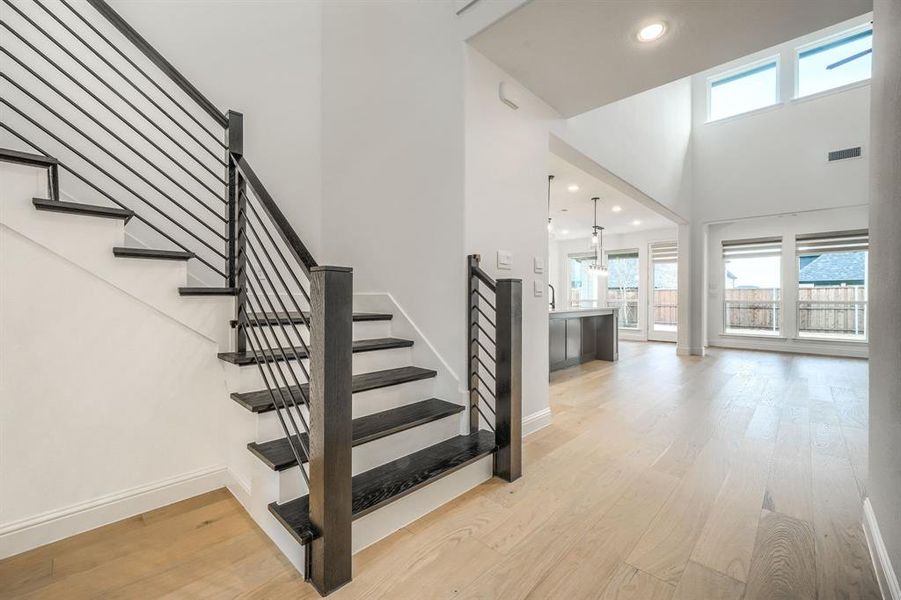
573,212
581,54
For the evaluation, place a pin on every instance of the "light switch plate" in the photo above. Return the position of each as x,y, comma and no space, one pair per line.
504,260
539,288
538,265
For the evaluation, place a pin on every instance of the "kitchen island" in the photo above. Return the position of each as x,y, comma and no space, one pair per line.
581,334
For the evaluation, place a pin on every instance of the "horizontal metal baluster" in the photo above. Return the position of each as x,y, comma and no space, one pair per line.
111,88
105,172
482,346
303,317
487,385
280,254
487,420
123,163
281,303
108,130
261,328
303,368
141,71
482,329
115,69
484,314
487,301
106,195
278,411
103,103
482,396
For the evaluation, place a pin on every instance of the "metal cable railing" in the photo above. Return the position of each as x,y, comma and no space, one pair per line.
494,357
122,132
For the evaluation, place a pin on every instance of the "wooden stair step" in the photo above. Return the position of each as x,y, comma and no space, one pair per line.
261,401
283,318
366,345
88,210
207,291
384,484
277,454
151,253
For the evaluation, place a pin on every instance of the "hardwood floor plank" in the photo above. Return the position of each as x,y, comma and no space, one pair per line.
843,564
783,566
727,540
628,583
698,582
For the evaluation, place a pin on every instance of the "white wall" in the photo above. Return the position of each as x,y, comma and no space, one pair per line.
506,203
788,226
261,58
644,139
392,123
884,485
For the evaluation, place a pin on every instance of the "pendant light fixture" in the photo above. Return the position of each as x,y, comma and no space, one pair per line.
550,223
597,243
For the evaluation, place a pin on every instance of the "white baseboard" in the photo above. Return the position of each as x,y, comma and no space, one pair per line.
25,534
537,420
888,579
688,351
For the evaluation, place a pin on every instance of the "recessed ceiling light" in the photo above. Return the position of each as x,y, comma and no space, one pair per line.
573,187
651,32
636,222
616,208
564,231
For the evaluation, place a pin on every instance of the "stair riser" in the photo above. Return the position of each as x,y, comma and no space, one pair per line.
287,334
372,401
248,379
379,452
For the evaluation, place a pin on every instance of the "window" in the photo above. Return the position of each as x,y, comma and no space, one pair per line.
752,302
664,279
832,285
753,87
835,62
622,286
583,284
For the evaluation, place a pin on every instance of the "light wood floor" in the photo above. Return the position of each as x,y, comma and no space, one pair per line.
734,476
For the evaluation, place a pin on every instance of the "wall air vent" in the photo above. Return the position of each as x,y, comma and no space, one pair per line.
844,154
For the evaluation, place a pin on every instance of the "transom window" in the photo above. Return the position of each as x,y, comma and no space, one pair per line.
750,88
835,62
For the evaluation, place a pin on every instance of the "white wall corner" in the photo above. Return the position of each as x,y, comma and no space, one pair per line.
536,421
882,564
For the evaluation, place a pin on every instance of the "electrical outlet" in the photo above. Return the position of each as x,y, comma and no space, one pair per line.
504,260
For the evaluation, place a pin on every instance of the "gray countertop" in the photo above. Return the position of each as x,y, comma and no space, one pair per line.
571,313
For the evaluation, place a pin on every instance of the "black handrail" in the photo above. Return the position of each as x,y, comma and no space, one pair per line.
287,233
157,59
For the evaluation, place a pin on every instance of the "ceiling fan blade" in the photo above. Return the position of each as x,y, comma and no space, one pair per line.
848,59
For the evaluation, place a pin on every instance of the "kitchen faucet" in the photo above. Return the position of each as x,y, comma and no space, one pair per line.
553,297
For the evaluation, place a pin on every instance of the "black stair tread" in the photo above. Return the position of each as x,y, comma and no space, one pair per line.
26,158
76,208
207,291
125,252
366,345
270,318
277,454
261,401
375,488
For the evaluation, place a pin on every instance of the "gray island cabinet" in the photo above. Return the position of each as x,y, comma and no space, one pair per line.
582,334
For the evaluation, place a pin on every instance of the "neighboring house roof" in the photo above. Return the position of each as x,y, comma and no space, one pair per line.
835,267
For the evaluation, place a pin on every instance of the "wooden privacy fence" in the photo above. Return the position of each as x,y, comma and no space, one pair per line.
666,306
827,309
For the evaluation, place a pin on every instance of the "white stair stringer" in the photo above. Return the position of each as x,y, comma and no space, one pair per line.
89,241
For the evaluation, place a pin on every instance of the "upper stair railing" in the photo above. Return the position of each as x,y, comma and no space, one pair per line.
494,353
124,124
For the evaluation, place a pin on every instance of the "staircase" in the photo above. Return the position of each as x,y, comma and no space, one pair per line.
346,423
